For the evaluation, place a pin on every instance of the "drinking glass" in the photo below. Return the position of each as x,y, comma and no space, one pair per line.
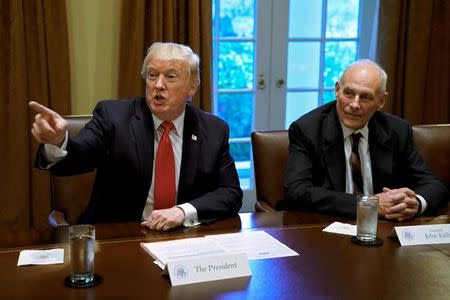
82,253
366,217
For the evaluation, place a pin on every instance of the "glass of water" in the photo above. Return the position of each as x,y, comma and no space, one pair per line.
82,253
366,218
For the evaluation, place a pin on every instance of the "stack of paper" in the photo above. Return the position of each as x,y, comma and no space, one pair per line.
256,244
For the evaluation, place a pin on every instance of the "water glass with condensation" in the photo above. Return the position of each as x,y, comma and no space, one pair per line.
366,217
82,253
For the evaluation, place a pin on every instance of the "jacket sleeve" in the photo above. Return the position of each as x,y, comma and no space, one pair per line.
307,183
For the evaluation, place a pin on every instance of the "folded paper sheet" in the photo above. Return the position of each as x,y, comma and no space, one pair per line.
41,257
341,228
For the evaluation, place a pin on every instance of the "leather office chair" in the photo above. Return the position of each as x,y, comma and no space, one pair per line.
433,143
270,152
70,194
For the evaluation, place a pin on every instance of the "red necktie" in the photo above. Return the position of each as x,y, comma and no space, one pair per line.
358,186
165,171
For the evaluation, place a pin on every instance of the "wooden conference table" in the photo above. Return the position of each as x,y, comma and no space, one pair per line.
328,265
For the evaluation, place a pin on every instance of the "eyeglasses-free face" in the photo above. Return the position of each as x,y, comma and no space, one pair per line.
168,87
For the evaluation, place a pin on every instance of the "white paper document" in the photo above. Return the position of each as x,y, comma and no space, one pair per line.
166,251
255,244
341,228
41,257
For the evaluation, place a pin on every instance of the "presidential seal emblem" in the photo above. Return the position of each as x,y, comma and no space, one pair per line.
181,271
408,235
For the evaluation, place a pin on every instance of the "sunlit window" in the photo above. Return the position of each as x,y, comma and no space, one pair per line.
233,73
323,38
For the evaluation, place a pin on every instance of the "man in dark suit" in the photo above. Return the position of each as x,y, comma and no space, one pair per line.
158,159
320,173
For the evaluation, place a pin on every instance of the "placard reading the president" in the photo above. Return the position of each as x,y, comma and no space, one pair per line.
208,268
423,234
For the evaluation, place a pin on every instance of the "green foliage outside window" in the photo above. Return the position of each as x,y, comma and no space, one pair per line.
236,109
236,64
338,55
235,67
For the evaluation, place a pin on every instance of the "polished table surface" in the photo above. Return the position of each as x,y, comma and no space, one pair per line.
328,265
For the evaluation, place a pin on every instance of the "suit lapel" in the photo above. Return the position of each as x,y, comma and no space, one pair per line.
333,145
143,131
191,150
381,154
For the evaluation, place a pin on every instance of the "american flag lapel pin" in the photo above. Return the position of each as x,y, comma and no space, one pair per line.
194,137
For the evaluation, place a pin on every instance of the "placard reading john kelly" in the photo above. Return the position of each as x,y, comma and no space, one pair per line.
208,268
423,234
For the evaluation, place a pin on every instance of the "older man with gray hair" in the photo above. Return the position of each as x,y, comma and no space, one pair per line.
349,147
159,159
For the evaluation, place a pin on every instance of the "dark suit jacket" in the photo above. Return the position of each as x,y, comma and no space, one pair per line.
118,143
315,175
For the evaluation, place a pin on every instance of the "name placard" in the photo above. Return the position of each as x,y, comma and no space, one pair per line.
208,268
423,234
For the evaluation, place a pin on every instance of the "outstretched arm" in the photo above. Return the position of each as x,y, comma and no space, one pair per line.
48,127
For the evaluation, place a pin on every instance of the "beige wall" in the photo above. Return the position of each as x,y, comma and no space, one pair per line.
94,27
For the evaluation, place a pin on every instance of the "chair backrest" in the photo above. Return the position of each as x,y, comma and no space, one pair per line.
71,194
433,143
270,152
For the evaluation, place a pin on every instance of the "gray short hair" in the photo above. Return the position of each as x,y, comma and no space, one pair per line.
173,51
382,72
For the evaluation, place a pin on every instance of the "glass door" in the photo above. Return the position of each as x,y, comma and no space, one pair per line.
275,60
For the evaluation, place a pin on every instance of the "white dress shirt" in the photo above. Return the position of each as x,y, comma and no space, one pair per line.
366,165
364,156
55,154
176,137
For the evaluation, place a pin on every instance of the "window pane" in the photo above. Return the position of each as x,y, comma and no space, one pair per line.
303,66
237,18
237,110
305,18
342,18
338,55
240,150
328,96
298,104
236,65
241,154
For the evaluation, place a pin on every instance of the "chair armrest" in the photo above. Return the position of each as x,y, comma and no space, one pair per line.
56,219
58,222
262,206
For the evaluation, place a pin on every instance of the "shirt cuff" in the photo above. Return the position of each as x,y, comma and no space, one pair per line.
191,217
423,202
54,153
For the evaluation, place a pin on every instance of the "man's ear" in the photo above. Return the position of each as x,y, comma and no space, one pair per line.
383,100
192,89
337,87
